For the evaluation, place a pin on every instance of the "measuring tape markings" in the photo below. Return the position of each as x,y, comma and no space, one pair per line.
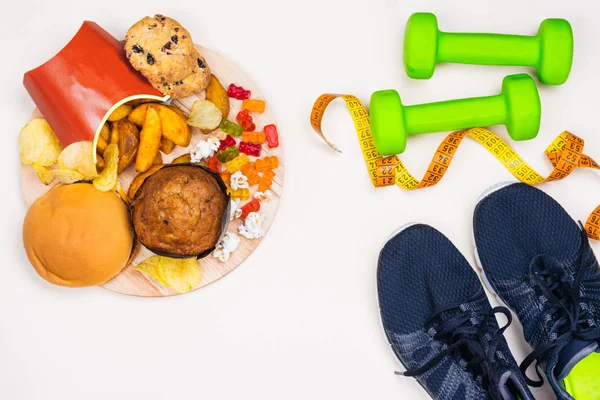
565,153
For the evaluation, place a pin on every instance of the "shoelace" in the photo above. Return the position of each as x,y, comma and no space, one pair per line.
570,321
466,340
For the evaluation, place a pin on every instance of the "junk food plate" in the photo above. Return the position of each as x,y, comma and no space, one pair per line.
181,137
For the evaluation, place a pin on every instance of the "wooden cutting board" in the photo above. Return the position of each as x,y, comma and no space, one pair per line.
135,283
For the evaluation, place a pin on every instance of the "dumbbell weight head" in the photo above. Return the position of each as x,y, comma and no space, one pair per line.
420,45
388,126
556,51
523,106
517,106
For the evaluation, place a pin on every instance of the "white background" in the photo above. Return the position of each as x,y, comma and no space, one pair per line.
299,319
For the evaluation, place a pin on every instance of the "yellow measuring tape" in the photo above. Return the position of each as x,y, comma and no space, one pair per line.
565,153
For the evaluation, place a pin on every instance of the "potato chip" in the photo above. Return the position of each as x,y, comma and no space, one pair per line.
120,112
79,157
108,177
38,143
181,275
45,174
205,115
64,175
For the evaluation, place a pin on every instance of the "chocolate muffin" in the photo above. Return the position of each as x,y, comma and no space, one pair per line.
181,211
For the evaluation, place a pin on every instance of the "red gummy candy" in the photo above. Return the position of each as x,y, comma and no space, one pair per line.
238,92
214,164
227,142
252,149
248,126
272,135
245,120
251,206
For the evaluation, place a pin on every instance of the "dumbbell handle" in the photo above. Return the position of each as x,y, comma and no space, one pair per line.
488,48
454,114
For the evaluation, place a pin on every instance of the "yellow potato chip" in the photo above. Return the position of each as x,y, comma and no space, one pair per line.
204,115
79,157
45,174
38,143
120,112
108,177
64,175
181,275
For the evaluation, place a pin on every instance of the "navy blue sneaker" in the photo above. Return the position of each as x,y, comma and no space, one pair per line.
439,321
539,262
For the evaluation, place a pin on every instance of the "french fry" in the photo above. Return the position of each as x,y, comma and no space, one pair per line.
101,145
158,159
173,126
149,140
216,93
182,159
137,102
120,112
114,133
138,114
121,192
105,132
100,164
166,145
173,123
178,110
140,178
128,143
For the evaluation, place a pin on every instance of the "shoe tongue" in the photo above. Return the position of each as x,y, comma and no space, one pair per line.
571,354
509,387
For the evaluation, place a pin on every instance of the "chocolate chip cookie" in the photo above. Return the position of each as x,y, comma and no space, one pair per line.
161,49
195,82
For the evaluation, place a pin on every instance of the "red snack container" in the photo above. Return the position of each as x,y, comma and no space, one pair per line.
78,88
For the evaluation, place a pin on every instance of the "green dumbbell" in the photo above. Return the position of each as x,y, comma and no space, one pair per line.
518,107
550,51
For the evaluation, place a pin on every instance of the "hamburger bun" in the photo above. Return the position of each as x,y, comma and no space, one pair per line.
181,211
76,235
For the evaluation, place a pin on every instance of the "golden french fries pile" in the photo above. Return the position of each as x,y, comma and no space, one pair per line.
142,132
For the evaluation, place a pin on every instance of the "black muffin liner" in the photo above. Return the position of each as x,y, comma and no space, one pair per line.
224,220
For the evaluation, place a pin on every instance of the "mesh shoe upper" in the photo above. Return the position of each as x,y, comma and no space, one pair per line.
538,260
439,321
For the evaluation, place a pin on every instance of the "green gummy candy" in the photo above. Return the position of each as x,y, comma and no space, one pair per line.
231,128
228,154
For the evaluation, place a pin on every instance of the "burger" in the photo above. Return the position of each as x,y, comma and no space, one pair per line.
76,235
181,211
